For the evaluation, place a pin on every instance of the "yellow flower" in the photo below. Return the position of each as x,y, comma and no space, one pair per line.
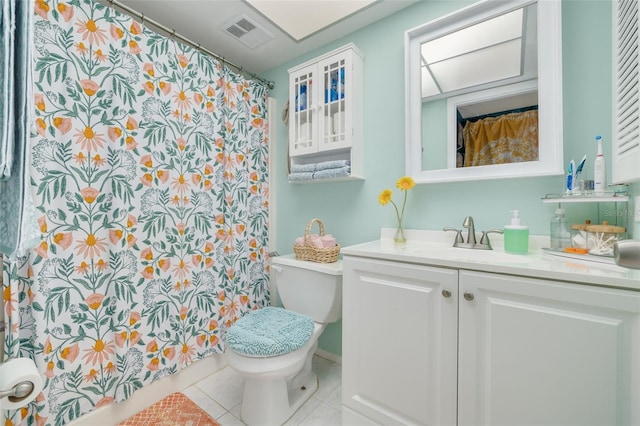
405,183
384,197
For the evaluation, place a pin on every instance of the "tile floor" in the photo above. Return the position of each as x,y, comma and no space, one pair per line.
220,395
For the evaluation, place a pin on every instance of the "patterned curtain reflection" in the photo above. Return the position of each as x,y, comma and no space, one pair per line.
149,167
508,138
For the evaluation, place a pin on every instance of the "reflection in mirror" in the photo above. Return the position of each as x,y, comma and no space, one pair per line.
481,55
474,109
500,134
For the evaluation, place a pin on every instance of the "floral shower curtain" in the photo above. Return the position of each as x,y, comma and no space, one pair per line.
149,170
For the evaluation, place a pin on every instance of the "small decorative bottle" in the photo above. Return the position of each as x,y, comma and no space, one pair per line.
558,231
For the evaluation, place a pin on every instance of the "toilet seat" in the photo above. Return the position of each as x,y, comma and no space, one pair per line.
269,332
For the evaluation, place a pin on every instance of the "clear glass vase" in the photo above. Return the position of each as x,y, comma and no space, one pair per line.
399,237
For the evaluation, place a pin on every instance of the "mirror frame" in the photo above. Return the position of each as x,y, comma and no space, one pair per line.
550,132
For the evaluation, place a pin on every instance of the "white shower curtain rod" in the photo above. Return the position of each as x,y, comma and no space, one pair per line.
172,33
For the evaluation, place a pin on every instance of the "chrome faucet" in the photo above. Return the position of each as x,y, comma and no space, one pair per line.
471,233
471,242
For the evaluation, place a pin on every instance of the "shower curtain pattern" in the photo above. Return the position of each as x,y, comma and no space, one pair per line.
508,138
149,173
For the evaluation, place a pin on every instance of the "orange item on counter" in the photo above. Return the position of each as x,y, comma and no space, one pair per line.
576,250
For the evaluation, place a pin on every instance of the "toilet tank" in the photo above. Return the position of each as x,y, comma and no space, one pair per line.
310,288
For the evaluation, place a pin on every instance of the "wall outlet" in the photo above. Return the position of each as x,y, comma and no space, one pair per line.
636,208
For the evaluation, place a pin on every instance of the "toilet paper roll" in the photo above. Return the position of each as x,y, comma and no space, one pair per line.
13,373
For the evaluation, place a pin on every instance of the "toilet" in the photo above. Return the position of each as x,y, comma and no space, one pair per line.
272,348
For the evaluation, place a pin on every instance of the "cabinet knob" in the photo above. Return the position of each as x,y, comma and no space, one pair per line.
446,293
468,296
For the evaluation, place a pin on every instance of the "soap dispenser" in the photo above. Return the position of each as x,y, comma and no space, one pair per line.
516,235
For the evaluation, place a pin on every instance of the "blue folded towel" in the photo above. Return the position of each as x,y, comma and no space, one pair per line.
314,167
303,168
332,173
301,176
333,164
269,332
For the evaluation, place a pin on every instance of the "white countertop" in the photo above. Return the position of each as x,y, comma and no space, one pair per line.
435,248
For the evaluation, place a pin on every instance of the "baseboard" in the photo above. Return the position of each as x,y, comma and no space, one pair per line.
146,396
352,418
329,355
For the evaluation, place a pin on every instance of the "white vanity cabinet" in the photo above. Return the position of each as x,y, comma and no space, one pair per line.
399,332
542,352
325,109
439,346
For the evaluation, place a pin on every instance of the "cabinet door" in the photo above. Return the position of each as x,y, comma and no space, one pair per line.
334,129
303,121
399,342
536,352
625,149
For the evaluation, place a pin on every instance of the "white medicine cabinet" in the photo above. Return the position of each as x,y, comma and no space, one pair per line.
325,112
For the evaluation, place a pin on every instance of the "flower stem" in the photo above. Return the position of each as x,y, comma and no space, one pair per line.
397,212
404,203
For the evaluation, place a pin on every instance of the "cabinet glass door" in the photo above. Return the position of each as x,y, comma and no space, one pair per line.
336,92
304,122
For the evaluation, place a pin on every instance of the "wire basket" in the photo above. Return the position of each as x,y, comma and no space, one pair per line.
316,254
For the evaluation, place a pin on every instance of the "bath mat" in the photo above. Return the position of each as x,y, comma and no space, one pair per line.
173,410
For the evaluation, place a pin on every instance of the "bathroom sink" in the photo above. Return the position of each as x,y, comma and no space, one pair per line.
441,251
438,245
493,256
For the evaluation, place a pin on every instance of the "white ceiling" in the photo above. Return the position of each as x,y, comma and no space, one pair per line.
202,22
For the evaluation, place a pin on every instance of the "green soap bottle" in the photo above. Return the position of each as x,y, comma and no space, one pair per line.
516,236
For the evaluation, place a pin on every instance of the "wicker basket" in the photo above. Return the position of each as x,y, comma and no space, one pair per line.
316,254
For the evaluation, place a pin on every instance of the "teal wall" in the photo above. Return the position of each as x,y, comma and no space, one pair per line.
350,210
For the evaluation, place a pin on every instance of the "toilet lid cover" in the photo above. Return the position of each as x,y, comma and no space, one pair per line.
269,332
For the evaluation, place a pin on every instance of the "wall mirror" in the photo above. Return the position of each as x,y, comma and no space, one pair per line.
484,93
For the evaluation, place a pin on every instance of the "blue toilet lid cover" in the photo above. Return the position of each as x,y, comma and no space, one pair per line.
269,331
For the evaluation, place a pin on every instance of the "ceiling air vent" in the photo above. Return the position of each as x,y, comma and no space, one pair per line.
247,31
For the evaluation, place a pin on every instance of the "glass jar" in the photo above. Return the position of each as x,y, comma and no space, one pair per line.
601,238
579,234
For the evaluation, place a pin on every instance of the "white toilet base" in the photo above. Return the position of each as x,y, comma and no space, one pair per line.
271,401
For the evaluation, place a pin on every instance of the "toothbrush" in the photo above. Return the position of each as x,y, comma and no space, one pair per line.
570,176
579,168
